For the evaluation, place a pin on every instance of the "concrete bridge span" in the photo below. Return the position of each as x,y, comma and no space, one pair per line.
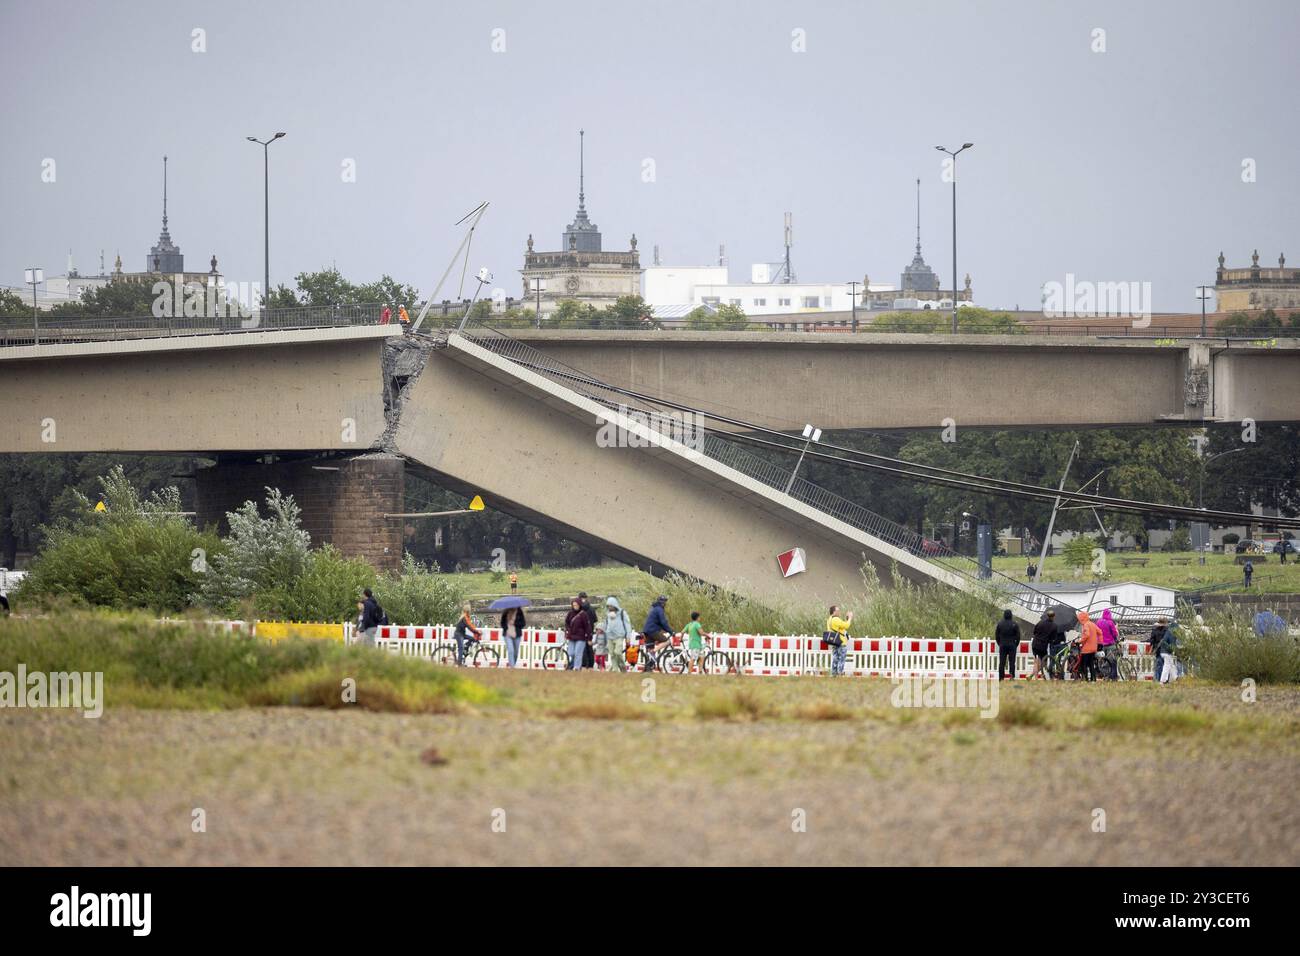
897,380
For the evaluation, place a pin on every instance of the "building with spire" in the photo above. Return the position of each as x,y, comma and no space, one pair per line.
163,262
581,270
166,255
166,259
919,286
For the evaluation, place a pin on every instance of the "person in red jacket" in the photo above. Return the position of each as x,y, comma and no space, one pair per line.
385,316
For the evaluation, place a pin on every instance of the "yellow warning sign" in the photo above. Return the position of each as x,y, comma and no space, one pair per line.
477,503
101,507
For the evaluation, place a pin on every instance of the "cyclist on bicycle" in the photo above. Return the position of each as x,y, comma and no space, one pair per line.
465,627
657,630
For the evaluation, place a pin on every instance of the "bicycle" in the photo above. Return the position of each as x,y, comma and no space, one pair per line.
556,658
676,660
477,654
1064,663
1125,669
641,654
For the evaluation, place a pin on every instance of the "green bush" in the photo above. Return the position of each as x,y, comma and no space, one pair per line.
328,589
418,595
720,610
190,665
261,554
137,553
1078,551
922,610
1229,650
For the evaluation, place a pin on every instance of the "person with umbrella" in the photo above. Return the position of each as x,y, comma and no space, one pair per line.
513,623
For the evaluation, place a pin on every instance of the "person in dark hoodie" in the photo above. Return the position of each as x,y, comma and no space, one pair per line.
588,656
657,630
1044,636
1156,641
1007,635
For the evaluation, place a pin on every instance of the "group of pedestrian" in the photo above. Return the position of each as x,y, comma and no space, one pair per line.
1095,638
386,315
602,644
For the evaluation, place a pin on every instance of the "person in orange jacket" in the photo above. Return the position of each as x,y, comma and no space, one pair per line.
402,316
1089,639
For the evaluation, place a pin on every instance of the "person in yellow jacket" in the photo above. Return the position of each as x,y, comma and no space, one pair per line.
837,635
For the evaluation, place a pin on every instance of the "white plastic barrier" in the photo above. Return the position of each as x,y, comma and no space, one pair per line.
769,655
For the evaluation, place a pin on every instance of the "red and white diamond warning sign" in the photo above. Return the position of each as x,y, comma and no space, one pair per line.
792,562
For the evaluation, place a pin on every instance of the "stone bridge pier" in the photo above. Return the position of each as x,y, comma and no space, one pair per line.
343,500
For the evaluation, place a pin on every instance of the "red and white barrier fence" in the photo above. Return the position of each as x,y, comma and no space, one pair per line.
772,655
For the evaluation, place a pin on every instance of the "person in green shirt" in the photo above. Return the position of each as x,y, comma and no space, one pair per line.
695,641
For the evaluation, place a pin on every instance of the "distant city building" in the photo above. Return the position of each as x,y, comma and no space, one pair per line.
581,270
163,262
1240,290
670,288
919,285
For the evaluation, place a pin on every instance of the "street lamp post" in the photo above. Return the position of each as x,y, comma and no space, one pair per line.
266,213
1200,494
1203,293
853,300
954,155
34,277
810,435
538,286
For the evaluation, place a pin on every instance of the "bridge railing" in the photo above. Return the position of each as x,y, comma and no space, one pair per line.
713,445
26,330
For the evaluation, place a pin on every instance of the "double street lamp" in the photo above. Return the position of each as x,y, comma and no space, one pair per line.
266,212
954,154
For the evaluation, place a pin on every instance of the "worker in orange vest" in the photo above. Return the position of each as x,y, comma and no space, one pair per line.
402,316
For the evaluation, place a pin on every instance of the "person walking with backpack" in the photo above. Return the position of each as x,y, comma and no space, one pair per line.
1248,571
372,616
618,631
1007,636
837,636
464,627
577,633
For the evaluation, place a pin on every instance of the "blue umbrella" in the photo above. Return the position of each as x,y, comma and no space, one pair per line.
505,603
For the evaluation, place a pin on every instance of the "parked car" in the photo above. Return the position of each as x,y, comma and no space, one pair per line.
1285,546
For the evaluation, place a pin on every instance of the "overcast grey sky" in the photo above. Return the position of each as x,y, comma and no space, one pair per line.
1121,165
